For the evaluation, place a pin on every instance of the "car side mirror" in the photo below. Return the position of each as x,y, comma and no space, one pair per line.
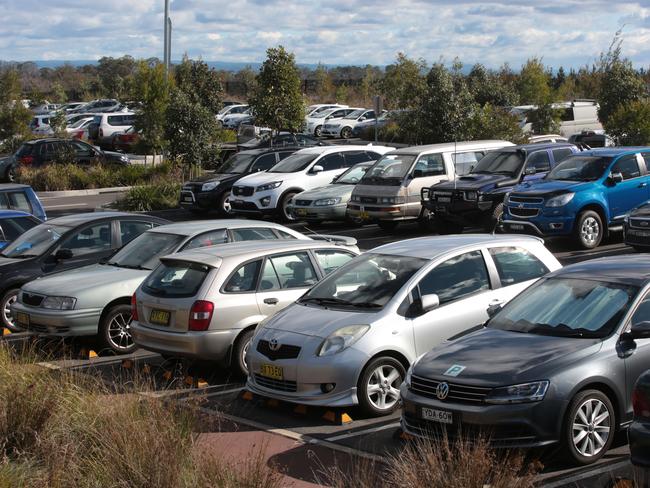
63,254
418,173
530,171
429,302
317,169
493,309
616,177
639,330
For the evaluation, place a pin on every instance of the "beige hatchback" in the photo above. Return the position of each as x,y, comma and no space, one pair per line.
205,304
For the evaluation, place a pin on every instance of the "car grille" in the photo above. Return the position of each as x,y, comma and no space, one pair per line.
193,187
522,199
523,212
367,199
285,351
303,203
280,385
32,299
640,223
457,393
243,206
243,191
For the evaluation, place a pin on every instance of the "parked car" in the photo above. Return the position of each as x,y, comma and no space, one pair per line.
40,125
281,139
639,431
79,129
547,138
389,192
61,244
363,129
593,139
102,292
584,197
105,125
13,223
328,202
314,122
212,191
343,127
476,198
70,106
555,366
99,106
270,192
321,107
205,304
350,339
125,141
575,117
45,108
231,109
636,228
40,152
23,198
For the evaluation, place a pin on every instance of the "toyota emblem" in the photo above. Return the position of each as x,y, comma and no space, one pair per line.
274,345
442,390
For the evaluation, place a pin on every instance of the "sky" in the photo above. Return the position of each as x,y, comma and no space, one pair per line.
563,32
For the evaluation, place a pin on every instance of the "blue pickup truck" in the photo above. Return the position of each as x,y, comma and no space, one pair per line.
584,197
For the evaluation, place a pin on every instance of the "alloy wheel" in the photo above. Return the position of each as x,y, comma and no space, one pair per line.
119,331
383,387
591,427
225,205
244,351
6,310
590,230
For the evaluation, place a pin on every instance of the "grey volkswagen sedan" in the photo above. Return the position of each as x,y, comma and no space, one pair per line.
555,366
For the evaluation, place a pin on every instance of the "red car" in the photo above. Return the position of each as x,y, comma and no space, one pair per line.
126,141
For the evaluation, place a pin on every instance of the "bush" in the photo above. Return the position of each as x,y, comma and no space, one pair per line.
629,124
159,195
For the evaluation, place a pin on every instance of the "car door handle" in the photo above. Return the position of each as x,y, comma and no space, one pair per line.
642,185
271,301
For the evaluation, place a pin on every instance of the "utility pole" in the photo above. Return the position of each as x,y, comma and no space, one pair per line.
167,37
169,44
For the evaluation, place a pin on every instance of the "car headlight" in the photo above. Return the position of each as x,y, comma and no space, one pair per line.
210,185
268,186
355,198
342,339
390,200
471,195
506,198
59,303
527,392
327,201
560,200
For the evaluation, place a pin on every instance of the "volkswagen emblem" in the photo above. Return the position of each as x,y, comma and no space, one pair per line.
442,390
274,345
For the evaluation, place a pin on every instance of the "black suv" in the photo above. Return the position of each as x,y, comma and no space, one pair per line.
476,199
281,139
212,191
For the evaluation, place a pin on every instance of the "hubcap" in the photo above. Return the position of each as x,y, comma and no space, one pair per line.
591,427
383,387
285,208
225,205
590,230
6,310
119,331
244,351
318,131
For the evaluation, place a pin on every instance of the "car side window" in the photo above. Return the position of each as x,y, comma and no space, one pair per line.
264,163
285,235
285,154
81,149
642,312
244,279
211,238
294,270
561,154
628,167
646,159
456,278
372,156
93,239
252,234
332,162
269,280
13,228
130,229
331,260
516,265
355,157
539,160
19,201
429,165
464,162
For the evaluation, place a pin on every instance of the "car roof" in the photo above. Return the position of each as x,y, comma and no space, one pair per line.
446,146
536,146
342,147
432,247
12,186
629,269
81,218
215,255
614,151
7,214
198,226
264,150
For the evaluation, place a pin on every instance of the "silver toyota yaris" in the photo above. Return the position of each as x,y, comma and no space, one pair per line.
350,338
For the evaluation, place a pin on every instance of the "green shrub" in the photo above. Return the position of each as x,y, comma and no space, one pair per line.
159,195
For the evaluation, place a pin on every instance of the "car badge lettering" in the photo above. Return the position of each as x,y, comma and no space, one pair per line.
455,370
442,390
274,345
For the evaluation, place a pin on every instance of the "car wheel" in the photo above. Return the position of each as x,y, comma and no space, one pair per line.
589,229
115,330
224,205
10,175
318,131
589,427
9,297
285,214
346,132
243,342
378,387
493,219
388,225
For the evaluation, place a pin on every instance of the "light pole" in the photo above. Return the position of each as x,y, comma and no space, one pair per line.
167,37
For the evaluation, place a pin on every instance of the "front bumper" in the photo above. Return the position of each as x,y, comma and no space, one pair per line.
523,425
204,200
331,212
211,345
375,213
253,204
636,237
541,225
467,212
639,436
64,323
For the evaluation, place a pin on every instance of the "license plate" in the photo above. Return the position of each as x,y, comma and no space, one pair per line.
271,371
444,199
301,211
238,201
363,215
440,416
22,318
159,317
188,199
516,226
640,233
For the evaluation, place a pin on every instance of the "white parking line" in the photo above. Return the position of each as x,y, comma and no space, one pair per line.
372,430
570,480
64,206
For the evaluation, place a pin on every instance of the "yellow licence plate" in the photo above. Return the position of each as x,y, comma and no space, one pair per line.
364,215
159,317
301,211
22,318
270,371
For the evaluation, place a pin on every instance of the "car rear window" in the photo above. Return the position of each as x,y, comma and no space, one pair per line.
25,150
176,279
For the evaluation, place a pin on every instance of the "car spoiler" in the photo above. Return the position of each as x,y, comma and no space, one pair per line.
341,240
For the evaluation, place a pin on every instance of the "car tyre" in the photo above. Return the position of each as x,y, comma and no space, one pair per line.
318,131
494,218
283,208
9,297
589,427
224,205
589,229
388,225
378,388
346,132
114,330
238,362
10,175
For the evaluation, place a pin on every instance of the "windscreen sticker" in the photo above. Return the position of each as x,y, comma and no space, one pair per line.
455,370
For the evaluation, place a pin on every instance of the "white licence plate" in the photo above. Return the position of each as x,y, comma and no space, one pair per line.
188,199
444,199
441,416
640,233
516,227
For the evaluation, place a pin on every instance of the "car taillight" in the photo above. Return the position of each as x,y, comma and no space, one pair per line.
640,403
101,132
79,134
134,308
200,315
27,159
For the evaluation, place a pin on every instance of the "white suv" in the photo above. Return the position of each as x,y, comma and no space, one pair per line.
111,123
270,192
314,122
343,127
230,110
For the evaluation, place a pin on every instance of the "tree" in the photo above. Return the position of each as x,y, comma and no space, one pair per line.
535,89
404,82
14,117
151,88
490,122
324,86
488,87
277,101
246,77
201,83
115,75
57,93
629,124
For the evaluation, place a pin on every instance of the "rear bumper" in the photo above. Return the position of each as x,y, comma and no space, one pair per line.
63,323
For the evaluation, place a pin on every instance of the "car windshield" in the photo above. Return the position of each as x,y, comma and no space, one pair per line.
236,164
580,168
225,110
353,175
355,114
35,241
80,122
500,163
567,307
143,251
293,163
368,282
390,169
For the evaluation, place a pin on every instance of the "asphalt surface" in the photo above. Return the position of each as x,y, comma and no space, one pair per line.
362,437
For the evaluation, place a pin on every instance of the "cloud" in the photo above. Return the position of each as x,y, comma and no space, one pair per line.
562,32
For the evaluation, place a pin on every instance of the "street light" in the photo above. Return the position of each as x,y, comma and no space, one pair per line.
167,28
